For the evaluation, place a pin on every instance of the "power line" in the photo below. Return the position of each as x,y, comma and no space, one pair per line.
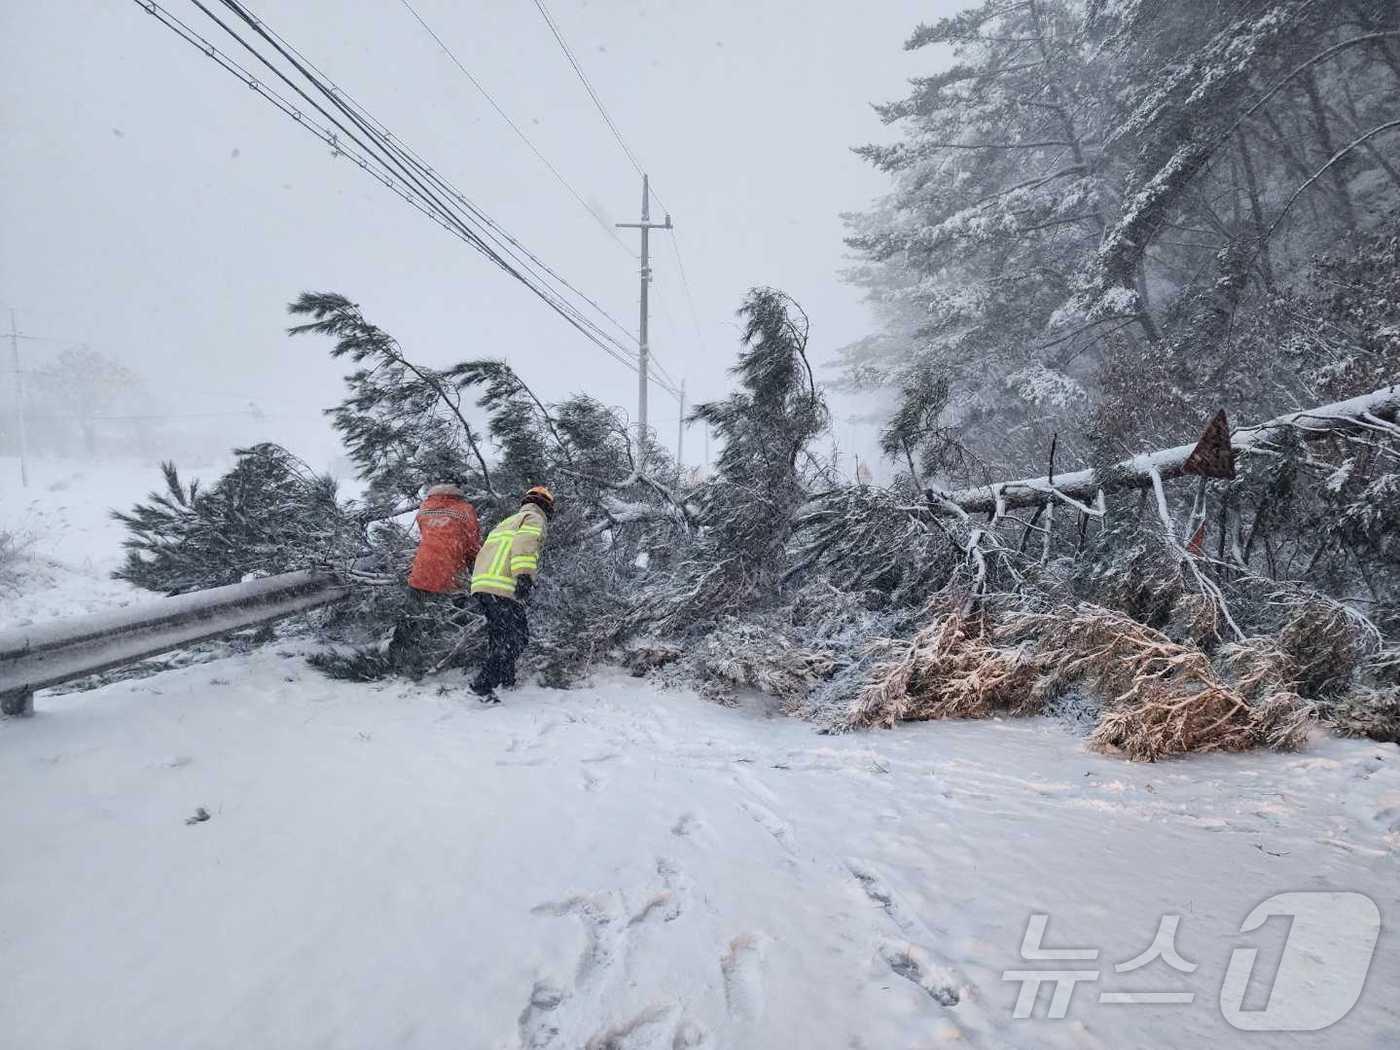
387,159
626,149
387,149
382,137
392,165
71,343
343,98
583,79
680,270
516,128
685,286
666,381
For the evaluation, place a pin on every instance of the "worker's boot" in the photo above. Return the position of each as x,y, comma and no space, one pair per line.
484,691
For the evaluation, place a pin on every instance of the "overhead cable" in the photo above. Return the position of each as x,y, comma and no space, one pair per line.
553,170
352,133
346,102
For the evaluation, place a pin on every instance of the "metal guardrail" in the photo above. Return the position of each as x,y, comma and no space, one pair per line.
46,654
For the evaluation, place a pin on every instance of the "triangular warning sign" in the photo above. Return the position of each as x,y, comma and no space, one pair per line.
1197,545
1213,456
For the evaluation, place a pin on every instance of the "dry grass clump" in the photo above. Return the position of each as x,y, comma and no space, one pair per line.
950,669
12,549
1160,697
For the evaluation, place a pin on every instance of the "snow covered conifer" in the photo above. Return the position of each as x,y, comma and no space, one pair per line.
403,424
269,514
1000,185
765,428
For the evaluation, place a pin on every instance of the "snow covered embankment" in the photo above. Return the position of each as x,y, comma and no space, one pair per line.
612,867
68,542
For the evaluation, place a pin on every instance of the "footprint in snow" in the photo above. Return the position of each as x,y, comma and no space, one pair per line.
599,916
618,1036
741,966
913,964
663,905
871,885
688,1034
667,903
685,826
538,1028
770,822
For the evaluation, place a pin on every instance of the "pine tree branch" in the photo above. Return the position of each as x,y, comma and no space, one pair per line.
1353,144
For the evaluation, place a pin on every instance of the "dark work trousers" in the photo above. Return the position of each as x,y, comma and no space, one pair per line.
507,633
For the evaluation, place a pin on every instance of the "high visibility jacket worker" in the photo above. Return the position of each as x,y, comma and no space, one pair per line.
502,581
512,549
450,539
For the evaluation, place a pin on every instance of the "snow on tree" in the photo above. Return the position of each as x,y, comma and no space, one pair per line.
1108,222
1000,186
749,505
269,514
1092,191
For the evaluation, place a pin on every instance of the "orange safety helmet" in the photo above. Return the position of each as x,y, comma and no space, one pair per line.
541,497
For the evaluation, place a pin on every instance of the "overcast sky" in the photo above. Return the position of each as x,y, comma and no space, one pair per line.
153,207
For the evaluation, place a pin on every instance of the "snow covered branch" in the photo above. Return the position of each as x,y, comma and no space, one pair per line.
1081,488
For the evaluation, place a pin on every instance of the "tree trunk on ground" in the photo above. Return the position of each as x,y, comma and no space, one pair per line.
1366,412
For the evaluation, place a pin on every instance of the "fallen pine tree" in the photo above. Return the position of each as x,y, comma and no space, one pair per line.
1156,697
1225,617
1278,566
1367,414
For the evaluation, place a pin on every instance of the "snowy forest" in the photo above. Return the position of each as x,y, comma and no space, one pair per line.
1107,223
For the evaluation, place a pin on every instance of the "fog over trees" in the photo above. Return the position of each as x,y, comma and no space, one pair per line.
1107,220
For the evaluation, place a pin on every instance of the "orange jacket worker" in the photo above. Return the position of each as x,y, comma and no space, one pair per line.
449,539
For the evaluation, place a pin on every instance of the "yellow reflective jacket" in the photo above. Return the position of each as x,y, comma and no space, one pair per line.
512,549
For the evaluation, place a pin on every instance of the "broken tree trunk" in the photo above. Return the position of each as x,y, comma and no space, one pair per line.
1376,411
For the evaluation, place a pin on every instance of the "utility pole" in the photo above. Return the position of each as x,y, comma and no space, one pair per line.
646,226
19,402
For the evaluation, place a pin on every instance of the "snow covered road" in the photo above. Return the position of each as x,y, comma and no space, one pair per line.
617,867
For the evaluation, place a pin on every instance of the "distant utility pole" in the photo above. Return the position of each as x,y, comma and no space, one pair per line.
646,226
19,402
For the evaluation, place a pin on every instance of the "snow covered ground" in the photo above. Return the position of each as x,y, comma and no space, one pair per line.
63,523
614,866
617,867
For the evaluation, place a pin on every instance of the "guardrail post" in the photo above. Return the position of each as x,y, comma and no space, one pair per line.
18,702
